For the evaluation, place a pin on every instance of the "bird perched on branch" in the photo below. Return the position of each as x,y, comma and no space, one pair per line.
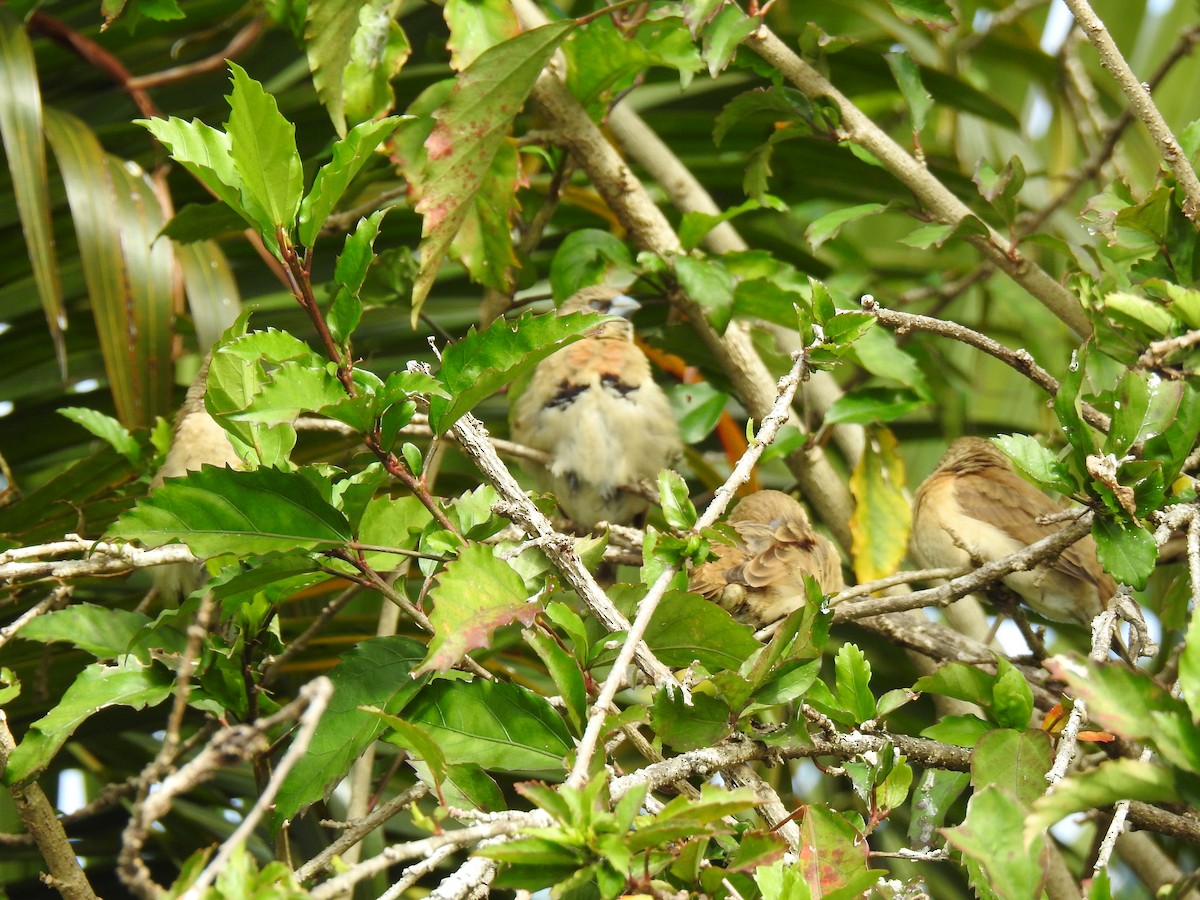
761,577
197,440
975,508
594,407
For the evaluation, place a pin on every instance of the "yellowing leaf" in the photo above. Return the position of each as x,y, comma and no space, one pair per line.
882,515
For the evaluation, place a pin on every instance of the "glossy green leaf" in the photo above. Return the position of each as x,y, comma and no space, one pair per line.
908,79
686,628
375,672
854,682
708,283
476,25
872,406
129,683
1111,781
1012,698
495,725
705,723
106,428
722,37
1036,461
585,257
262,144
350,154
216,509
1128,553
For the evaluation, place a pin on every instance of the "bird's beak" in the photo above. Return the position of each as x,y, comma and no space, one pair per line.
623,305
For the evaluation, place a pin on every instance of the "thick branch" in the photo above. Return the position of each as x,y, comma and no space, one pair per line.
1142,103
943,205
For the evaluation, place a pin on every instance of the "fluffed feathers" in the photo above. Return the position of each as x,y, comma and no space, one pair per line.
761,577
595,408
975,507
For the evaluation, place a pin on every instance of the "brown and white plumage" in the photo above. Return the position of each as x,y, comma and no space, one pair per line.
595,408
975,507
196,441
761,577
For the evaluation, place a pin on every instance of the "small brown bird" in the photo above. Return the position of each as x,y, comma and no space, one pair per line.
594,407
761,577
197,440
974,506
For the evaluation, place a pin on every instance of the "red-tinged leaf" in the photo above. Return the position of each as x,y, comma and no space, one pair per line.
1095,737
471,127
474,595
833,853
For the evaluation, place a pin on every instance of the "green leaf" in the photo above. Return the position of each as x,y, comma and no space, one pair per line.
993,839
697,408
723,36
960,681
1132,705
695,225
375,672
854,683
471,126
476,25
1128,553
826,227
705,723
686,628
331,27
1035,461
415,740
586,257
673,497
495,725
206,153
216,509
1189,668
103,632
567,676
262,144
932,12
475,594
908,79
350,154
24,147
377,54
129,683
708,283
484,361
872,406
1016,761
1012,698
203,221
349,274
106,428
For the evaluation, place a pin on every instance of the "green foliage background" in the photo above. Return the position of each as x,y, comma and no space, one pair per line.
99,316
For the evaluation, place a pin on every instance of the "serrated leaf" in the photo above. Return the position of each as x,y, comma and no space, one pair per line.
931,12
262,144
854,683
375,672
960,681
130,683
710,284
722,37
416,740
882,516
673,498
686,628
1012,698
216,510
475,594
484,361
833,855
495,725
350,154
471,126
206,153
1036,461
1127,552
106,428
